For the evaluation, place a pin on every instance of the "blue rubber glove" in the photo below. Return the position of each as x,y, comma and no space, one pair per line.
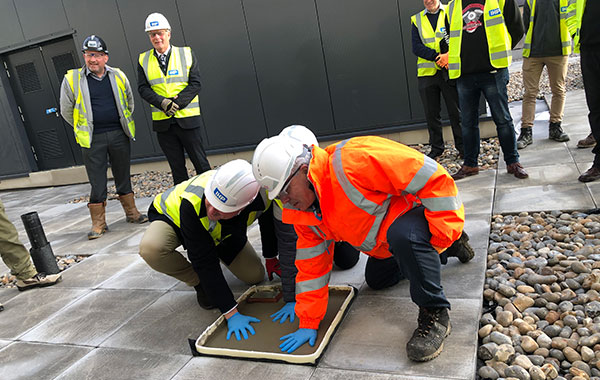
239,323
297,339
286,311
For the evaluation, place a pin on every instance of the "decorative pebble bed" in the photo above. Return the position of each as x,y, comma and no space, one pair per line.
541,315
7,280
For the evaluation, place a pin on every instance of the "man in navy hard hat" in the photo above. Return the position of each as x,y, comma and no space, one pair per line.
97,101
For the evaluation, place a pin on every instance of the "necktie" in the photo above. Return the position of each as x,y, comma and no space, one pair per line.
163,60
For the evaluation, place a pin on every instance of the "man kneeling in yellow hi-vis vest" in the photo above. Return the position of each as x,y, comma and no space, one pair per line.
482,34
169,79
209,215
97,101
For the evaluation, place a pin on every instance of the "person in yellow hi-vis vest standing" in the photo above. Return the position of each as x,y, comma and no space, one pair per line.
431,49
547,43
97,101
582,21
482,34
169,79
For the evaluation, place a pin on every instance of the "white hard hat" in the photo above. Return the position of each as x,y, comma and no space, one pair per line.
273,161
300,133
156,21
232,187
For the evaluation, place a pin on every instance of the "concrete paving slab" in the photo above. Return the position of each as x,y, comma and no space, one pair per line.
338,374
129,245
542,198
478,229
459,280
486,179
92,318
33,307
354,276
94,270
557,154
63,216
4,343
541,175
582,155
373,338
477,201
110,364
583,166
165,326
206,368
138,275
594,188
38,361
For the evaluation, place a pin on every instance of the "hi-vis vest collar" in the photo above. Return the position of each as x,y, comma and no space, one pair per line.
430,38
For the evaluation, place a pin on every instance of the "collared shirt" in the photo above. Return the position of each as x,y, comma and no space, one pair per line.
163,59
89,73
436,12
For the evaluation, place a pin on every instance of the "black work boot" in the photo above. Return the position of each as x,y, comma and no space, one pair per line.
525,138
556,133
461,249
202,298
427,341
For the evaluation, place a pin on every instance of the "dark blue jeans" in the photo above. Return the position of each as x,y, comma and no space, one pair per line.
493,86
408,238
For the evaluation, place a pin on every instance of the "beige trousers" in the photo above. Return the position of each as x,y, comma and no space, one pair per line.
13,253
158,249
557,74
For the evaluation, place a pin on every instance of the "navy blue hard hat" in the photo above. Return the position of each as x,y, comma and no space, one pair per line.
94,43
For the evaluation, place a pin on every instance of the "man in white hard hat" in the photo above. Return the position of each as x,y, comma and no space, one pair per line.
389,200
97,101
169,79
209,214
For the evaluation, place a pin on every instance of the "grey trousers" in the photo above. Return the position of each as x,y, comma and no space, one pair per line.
113,147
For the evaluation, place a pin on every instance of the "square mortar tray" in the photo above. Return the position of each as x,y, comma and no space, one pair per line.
264,345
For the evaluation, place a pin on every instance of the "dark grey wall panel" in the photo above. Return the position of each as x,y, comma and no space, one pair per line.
287,50
40,18
229,97
15,156
10,28
87,17
363,53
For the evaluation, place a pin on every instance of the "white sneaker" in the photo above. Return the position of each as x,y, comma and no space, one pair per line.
38,281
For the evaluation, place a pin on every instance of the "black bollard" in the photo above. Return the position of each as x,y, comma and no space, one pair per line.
41,251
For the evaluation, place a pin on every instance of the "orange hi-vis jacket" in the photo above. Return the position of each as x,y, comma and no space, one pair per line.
363,184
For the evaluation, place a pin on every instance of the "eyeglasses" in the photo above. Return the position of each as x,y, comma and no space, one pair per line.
94,55
284,189
159,33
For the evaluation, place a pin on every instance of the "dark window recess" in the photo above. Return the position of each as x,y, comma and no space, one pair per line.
62,64
48,140
28,77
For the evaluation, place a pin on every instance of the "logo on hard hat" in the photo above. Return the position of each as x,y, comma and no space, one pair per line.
92,44
153,23
220,196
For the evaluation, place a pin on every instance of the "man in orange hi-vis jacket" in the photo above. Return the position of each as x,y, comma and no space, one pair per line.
382,197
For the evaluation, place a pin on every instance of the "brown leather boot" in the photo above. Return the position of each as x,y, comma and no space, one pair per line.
131,212
98,220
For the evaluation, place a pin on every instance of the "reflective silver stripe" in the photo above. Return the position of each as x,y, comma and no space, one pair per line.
450,12
455,33
571,14
439,35
428,40
442,203
177,79
155,81
145,62
420,179
355,196
526,46
194,189
500,54
163,203
193,105
494,21
454,66
312,252
566,43
314,284
426,65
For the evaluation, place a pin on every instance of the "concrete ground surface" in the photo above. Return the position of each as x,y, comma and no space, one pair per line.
112,317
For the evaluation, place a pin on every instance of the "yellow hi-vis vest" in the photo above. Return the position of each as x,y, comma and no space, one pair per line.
430,38
83,131
169,202
178,73
575,11
565,38
498,38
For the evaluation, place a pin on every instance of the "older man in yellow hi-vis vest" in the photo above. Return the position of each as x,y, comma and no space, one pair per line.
482,35
169,79
97,101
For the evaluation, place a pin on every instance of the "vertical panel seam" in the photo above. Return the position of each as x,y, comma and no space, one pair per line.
325,64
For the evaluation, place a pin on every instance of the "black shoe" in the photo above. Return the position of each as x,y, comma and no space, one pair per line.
525,138
556,133
433,154
202,298
427,341
461,249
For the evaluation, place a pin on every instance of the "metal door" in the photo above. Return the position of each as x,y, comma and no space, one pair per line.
35,75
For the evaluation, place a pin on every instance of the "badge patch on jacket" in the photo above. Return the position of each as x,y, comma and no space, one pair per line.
173,72
495,12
